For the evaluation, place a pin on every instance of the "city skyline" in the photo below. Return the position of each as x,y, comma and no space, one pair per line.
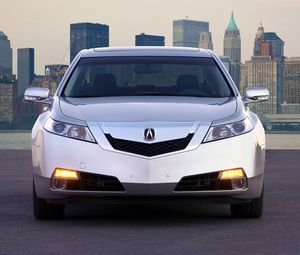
132,17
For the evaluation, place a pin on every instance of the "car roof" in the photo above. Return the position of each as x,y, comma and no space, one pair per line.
147,51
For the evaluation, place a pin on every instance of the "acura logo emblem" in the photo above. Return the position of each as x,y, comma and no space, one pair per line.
149,134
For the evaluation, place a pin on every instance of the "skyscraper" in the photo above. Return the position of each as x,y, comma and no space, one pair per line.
292,80
206,41
277,45
53,76
232,49
149,40
268,44
87,35
258,43
56,70
186,33
261,71
266,69
277,53
25,69
5,55
7,89
226,62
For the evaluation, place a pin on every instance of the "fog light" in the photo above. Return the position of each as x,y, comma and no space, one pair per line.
232,173
239,183
237,177
59,184
65,174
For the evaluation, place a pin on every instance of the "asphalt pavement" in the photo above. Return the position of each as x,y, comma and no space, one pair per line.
151,228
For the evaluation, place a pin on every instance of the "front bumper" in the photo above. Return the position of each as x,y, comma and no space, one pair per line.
153,176
43,186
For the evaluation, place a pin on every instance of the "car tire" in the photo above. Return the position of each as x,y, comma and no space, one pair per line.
43,210
252,209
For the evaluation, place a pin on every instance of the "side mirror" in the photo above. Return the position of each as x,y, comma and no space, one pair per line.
38,95
253,95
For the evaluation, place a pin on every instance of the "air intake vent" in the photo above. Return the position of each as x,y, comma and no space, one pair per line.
203,182
149,150
95,182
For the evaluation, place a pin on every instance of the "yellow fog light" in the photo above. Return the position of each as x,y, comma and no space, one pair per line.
232,174
65,174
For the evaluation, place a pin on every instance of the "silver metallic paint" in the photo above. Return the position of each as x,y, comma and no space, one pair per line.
173,117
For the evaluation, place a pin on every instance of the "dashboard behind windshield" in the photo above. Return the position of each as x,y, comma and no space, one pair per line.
140,76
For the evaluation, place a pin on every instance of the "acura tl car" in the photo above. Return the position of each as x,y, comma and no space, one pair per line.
147,122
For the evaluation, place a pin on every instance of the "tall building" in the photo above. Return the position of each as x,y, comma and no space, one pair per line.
149,40
266,69
206,41
226,62
53,76
51,79
186,33
25,69
56,70
37,81
261,71
5,55
87,35
276,45
292,81
258,41
270,44
277,53
232,49
7,93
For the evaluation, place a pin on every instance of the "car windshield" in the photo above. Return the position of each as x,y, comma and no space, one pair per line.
142,76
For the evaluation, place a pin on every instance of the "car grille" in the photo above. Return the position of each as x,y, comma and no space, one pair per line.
203,182
149,150
95,182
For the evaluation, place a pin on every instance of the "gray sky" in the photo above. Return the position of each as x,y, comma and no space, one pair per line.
44,25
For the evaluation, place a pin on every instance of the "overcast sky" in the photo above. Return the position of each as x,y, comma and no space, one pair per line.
44,25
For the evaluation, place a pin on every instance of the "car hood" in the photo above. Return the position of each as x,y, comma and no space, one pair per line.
148,109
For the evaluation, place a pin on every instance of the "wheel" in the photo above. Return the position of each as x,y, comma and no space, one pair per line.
44,210
253,209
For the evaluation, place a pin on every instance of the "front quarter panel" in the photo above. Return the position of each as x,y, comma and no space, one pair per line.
37,141
260,139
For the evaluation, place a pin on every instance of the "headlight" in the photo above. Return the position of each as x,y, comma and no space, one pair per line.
69,130
228,130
